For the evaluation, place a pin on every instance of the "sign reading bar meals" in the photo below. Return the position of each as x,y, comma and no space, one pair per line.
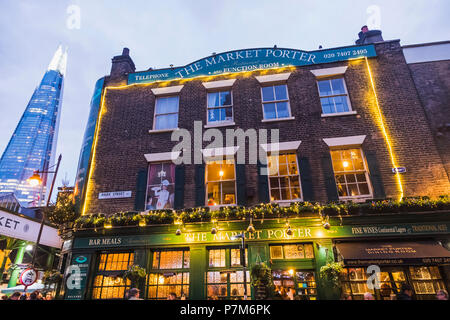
251,60
114,195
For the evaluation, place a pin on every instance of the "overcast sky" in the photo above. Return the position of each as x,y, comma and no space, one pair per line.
160,33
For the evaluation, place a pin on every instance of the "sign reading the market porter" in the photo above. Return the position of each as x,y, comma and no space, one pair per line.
251,60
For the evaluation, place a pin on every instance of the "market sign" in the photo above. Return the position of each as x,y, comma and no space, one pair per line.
18,227
114,195
251,60
225,236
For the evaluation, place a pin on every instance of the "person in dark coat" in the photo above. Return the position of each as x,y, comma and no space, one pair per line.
405,292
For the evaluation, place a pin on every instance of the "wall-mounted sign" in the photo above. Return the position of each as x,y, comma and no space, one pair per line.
28,277
18,227
399,170
76,277
275,234
251,60
114,195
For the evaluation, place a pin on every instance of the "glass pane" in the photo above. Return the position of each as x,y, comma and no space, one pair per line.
283,110
324,88
350,178
338,86
167,121
267,94
269,111
213,115
309,252
228,171
294,251
363,188
213,99
281,92
275,195
227,114
353,189
285,194
276,252
295,183
166,105
228,192
284,182
225,98
213,171
217,258
341,103
215,291
327,105
295,193
213,191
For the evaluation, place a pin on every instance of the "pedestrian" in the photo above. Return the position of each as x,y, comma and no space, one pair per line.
172,296
133,294
442,295
346,296
405,292
368,296
15,296
4,297
35,295
48,296
291,293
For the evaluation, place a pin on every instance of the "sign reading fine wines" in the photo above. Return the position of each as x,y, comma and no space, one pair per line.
252,59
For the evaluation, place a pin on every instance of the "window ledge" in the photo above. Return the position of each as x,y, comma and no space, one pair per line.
278,119
356,199
217,208
285,203
348,113
162,130
221,124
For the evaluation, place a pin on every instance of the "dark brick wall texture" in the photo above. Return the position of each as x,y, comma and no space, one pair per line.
124,137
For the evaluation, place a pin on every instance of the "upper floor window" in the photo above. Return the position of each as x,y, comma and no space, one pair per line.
220,107
333,95
351,174
161,186
166,113
284,179
221,183
275,102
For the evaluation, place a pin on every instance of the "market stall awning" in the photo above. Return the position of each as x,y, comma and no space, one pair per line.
392,253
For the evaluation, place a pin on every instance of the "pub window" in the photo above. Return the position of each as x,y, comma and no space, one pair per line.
302,281
166,113
160,186
426,281
220,182
220,107
225,275
292,251
108,282
284,179
333,95
355,282
169,273
351,174
275,102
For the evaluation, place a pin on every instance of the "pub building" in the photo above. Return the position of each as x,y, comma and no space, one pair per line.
355,124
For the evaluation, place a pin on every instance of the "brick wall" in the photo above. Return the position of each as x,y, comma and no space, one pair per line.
124,137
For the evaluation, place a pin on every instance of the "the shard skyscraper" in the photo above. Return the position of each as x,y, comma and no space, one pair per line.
33,144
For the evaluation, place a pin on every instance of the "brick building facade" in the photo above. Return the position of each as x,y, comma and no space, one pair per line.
125,132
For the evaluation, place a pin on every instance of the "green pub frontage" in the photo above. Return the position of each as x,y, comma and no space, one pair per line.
200,264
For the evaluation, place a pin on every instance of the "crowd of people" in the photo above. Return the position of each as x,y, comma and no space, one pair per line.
406,293
35,295
133,294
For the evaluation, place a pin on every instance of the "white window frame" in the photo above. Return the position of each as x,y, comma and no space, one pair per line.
216,207
359,198
329,78
224,122
275,102
163,114
279,153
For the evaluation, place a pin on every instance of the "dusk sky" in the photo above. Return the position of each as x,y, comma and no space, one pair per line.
160,33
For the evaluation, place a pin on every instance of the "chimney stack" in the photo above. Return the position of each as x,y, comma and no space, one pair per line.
122,64
367,36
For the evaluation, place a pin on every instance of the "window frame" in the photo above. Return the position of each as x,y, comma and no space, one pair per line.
149,164
228,268
110,273
155,115
329,78
358,198
151,270
275,101
224,122
220,182
284,152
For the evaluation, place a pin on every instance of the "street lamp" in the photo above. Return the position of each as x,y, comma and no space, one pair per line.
243,259
36,180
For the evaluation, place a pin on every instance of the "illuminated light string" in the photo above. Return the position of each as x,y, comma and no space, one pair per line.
383,129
